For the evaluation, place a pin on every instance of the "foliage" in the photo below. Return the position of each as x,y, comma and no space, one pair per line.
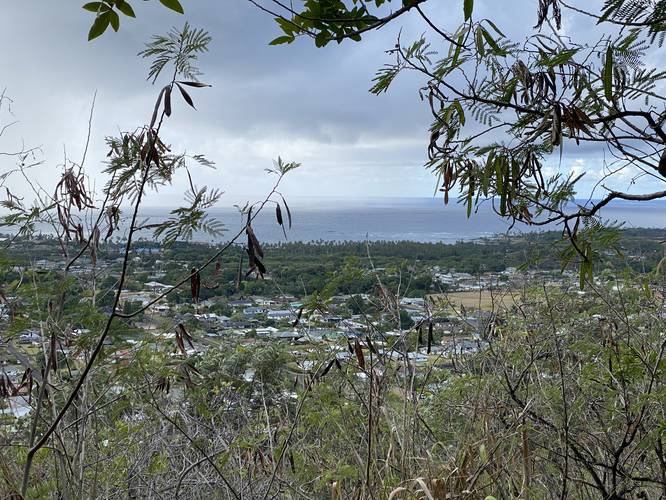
106,14
558,392
180,48
504,109
77,323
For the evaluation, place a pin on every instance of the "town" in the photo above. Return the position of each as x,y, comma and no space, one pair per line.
422,313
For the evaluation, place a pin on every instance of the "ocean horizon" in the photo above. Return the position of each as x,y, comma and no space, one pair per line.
391,219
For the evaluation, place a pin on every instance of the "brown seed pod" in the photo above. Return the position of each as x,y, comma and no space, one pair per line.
360,357
195,283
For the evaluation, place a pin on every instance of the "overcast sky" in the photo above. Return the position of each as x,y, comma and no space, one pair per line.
305,104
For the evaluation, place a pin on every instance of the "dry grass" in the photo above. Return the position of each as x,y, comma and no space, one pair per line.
483,300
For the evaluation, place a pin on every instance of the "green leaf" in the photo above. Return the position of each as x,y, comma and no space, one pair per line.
483,453
456,53
321,39
287,26
491,41
608,74
610,9
470,196
510,89
99,25
114,20
562,57
96,7
494,26
282,39
499,176
125,8
459,109
173,5
479,42
468,7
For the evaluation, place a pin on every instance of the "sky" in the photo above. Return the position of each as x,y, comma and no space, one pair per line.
296,101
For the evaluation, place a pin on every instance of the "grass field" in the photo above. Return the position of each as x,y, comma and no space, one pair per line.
473,300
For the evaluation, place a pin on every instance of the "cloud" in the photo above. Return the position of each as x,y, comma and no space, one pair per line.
306,104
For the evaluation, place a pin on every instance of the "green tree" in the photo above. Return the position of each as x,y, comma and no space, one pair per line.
406,322
133,307
504,109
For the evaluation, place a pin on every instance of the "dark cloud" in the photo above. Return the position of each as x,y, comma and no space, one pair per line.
306,104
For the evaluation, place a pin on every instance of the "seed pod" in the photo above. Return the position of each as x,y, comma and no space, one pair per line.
253,242
359,354
195,284
278,214
328,367
556,130
429,337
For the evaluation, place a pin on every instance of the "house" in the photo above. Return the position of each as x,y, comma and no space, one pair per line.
417,317
237,304
340,298
287,335
206,317
29,337
445,278
280,314
46,264
213,318
128,296
239,325
412,301
266,331
417,357
253,311
463,346
157,287
354,324
414,357
263,301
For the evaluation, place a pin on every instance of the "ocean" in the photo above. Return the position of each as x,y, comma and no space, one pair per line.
412,219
